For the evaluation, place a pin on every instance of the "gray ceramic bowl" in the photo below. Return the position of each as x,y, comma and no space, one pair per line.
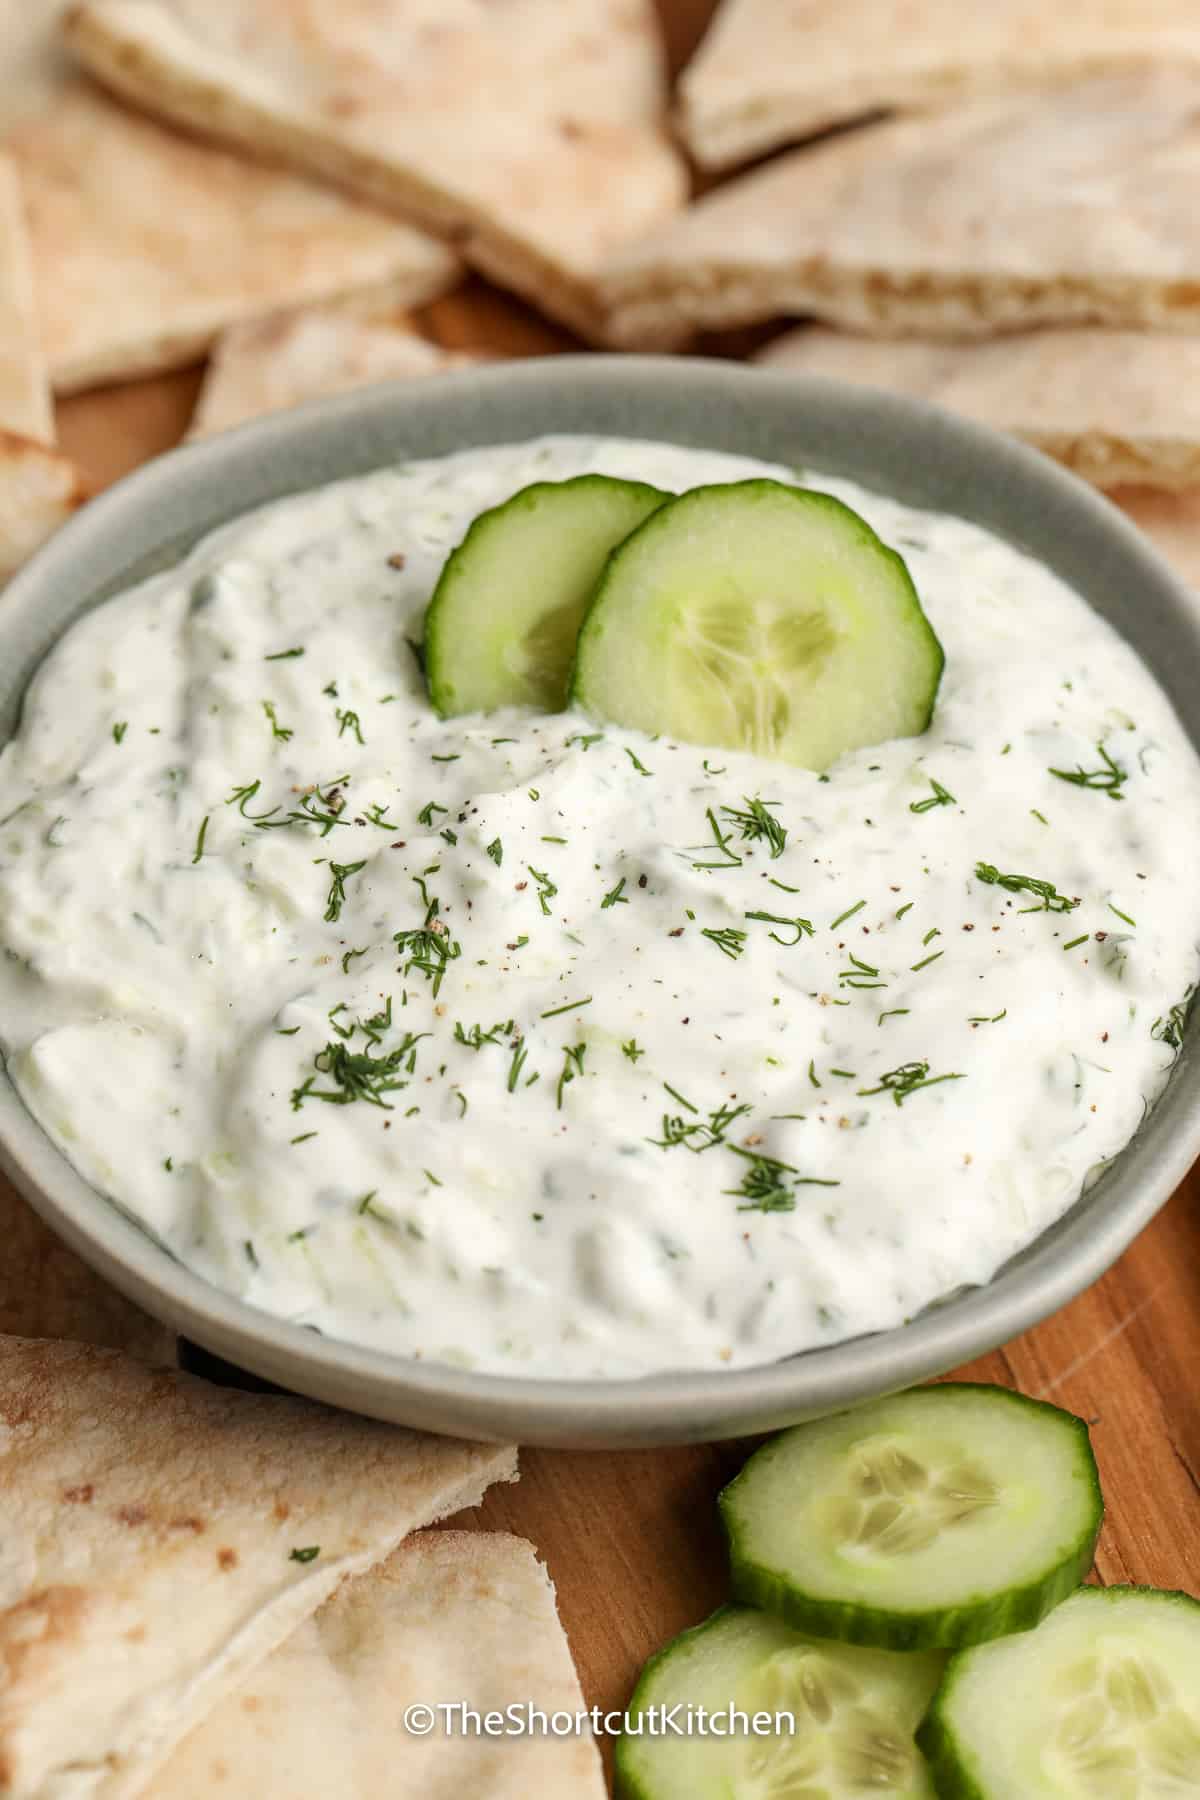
898,446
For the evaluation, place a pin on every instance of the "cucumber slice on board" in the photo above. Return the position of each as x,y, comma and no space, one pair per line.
759,617
1101,1702
943,1516
501,627
852,1712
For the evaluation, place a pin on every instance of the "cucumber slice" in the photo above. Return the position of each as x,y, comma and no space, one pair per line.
1101,1702
942,1516
501,627
759,617
850,1715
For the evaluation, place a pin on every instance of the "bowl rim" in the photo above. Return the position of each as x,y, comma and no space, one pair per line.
999,480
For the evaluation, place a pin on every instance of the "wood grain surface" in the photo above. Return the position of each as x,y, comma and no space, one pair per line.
630,1538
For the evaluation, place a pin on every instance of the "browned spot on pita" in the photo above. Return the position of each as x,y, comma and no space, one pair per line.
132,1515
80,1496
282,1510
227,1559
189,1524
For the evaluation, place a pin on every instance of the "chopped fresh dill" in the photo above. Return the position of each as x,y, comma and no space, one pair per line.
377,815
812,1073
1122,915
283,655
477,1037
308,1554
337,890
848,914
200,837
1108,780
119,730
349,721
430,948
860,975
632,1049
572,1066
925,961
782,886
1075,942
940,797
906,1080
496,851
720,842
431,1177
518,1063
639,766
901,910
930,935
615,897
698,1135
988,1019
570,1006
846,1074
1039,815
546,888
277,730
801,927
676,1095
425,816
729,940
330,687
1047,893
455,756
1169,1030
586,738
893,1012
286,1030
553,840
762,1188
757,821
357,1075
303,1137
348,958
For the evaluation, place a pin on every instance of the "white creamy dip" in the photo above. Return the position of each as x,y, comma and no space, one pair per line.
593,1137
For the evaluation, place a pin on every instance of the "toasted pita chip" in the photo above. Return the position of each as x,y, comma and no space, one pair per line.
46,1291
1115,406
278,362
1172,523
452,1616
1005,214
530,134
146,243
162,1536
769,72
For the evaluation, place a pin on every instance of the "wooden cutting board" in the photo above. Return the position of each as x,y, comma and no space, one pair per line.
630,1538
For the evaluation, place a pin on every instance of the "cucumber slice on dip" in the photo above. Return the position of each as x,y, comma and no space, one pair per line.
850,1715
501,627
939,1517
755,616
1101,1702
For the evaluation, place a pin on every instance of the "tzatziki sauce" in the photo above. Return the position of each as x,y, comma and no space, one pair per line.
654,1084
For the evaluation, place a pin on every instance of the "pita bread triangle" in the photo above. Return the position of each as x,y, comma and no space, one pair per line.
146,243
162,1536
1172,523
770,72
1115,406
529,134
278,362
1080,207
39,487
452,1615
